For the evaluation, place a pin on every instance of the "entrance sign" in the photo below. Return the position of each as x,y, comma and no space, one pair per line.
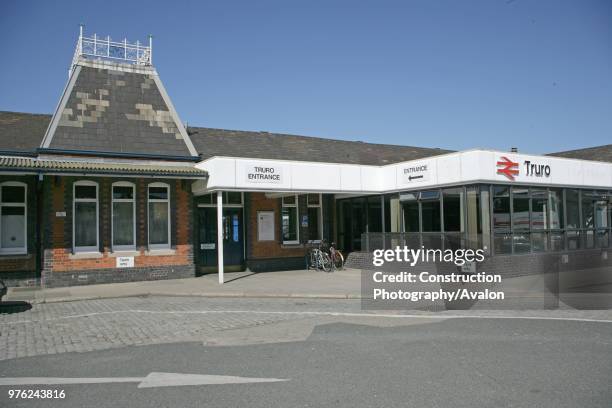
415,173
125,262
265,225
264,173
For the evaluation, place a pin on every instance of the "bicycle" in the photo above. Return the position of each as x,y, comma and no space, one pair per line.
336,257
320,260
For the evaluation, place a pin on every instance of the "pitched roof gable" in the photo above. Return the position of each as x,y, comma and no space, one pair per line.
117,108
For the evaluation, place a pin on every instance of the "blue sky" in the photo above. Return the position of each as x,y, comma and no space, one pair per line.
450,74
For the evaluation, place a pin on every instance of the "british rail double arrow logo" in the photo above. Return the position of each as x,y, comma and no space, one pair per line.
509,168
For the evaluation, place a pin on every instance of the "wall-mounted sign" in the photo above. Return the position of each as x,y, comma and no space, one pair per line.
125,262
264,174
507,167
208,245
60,214
265,225
304,221
510,169
415,173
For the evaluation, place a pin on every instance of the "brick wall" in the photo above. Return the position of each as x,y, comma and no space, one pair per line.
61,267
274,255
21,270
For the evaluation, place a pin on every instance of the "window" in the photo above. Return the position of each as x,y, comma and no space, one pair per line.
430,210
453,209
555,216
411,216
520,209
573,212
229,198
315,220
85,216
501,208
159,216
539,209
289,217
124,216
13,218
232,197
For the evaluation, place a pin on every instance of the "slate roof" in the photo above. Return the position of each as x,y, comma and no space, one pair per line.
22,132
235,143
47,166
598,153
120,109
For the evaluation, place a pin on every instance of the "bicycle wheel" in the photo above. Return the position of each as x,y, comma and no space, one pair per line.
338,260
312,261
326,263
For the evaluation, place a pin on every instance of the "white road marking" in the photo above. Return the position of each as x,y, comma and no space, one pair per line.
311,314
150,381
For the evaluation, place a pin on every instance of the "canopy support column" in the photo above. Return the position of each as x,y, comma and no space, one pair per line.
220,234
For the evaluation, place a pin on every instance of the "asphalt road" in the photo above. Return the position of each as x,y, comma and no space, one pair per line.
421,363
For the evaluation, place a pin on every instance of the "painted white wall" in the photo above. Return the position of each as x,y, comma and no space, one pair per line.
229,173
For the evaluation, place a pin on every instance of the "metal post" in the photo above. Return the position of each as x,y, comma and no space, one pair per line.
150,49
108,45
81,39
220,234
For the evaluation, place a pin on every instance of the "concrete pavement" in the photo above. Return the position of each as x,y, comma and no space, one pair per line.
344,284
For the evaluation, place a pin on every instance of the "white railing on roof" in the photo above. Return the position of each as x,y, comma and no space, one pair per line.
104,48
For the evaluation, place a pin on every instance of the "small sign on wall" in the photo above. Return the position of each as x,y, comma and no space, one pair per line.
209,245
265,225
468,267
304,221
125,262
60,214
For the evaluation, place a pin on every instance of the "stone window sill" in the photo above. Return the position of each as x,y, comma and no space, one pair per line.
17,255
85,255
117,254
292,245
160,252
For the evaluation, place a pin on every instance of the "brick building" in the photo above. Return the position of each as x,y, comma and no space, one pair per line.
113,187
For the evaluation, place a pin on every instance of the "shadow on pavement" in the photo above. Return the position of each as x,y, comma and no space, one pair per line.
17,306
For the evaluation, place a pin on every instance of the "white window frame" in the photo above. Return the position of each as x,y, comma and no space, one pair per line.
297,216
24,249
123,200
157,200
95,248
320,207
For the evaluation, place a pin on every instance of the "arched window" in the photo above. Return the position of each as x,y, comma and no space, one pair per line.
159,215
85,216
13,218
124,216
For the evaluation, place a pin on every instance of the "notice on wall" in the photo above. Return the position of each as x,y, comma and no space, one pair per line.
263,174
125,262
265,225
415,173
